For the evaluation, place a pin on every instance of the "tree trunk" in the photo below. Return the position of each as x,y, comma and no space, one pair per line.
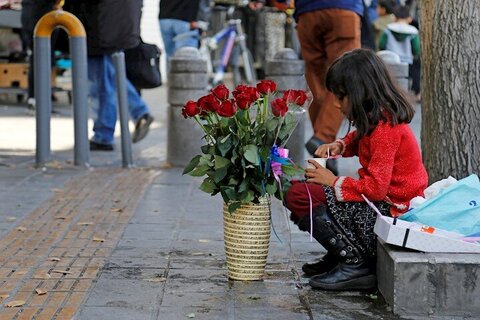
450,44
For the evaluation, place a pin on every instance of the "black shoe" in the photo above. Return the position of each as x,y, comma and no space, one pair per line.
345,277
325,264
95,146
141,127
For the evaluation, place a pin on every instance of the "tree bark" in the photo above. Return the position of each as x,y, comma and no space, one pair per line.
450,43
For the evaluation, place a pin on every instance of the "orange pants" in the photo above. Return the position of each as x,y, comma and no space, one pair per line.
324,35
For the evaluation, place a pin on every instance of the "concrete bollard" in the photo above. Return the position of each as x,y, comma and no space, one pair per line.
398,70
187,80
288,72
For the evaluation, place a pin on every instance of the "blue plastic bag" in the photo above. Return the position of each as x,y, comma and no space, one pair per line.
456,208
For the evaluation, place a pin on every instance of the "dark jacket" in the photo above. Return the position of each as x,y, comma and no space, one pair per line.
32,11
302,6
111,25
185,10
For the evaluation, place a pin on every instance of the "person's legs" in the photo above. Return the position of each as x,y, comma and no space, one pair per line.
102,98
166,29
300,199
182,27
324,35
139,113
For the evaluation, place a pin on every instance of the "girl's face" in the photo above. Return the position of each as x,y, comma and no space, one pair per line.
342,104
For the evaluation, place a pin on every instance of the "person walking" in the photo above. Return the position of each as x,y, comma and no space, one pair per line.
326,29
391,173
185,17
105,35
402,38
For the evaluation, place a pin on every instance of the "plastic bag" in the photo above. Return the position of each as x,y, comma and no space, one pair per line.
432,191
455,208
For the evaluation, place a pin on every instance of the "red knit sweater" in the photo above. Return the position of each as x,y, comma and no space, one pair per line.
392,168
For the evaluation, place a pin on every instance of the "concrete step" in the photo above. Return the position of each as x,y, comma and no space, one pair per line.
428,284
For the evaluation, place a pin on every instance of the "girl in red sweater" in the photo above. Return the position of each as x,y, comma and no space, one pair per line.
391,173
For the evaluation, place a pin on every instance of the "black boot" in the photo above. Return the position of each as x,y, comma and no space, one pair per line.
353,271
326,263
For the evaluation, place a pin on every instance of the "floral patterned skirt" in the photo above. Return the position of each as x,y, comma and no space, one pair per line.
357,220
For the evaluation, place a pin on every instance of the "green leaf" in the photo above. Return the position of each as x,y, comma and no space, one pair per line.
247,196
199,171
232,206
251,154
229,193
272,124
271,188
193,163
219,174
206,159
243,186
291,171
208,186
225,144
221,162
208,149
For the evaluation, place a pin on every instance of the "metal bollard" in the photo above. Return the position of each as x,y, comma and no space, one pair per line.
288,72
122,101
187,80
43,89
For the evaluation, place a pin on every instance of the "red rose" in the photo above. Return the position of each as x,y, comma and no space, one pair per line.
266,86
209,103
241,88
221,92
243,100
227,109
279,107
295,96
190,109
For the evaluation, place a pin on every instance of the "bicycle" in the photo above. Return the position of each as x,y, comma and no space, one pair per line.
242,62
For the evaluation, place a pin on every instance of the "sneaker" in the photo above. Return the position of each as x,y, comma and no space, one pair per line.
95,146
141,127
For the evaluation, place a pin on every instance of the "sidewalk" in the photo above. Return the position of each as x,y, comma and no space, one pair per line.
145,243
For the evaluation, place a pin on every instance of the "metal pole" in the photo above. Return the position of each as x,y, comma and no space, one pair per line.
43,89
78,48
121,84
43,96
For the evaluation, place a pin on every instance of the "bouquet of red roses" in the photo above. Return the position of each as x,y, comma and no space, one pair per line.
245,132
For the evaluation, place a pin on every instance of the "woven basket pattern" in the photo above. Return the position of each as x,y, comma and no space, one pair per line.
247,237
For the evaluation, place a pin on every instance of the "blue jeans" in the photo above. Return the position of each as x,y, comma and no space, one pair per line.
102,98
170,28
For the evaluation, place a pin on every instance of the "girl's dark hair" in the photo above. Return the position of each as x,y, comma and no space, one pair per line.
362,76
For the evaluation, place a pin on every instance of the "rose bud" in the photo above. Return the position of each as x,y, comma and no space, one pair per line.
190,109
209,103
221,92
227,109
279,107
266,86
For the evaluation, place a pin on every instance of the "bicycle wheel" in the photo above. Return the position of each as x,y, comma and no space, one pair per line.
245,72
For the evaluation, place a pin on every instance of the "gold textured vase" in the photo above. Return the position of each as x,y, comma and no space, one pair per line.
247,237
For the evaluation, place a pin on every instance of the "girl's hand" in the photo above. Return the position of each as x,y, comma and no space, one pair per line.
319,175
328,149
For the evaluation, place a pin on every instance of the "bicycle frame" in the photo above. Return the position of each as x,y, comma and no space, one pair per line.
232,34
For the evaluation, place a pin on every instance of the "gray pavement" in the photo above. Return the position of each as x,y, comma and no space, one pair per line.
169,262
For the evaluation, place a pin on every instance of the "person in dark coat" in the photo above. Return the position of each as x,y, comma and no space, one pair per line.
111,26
